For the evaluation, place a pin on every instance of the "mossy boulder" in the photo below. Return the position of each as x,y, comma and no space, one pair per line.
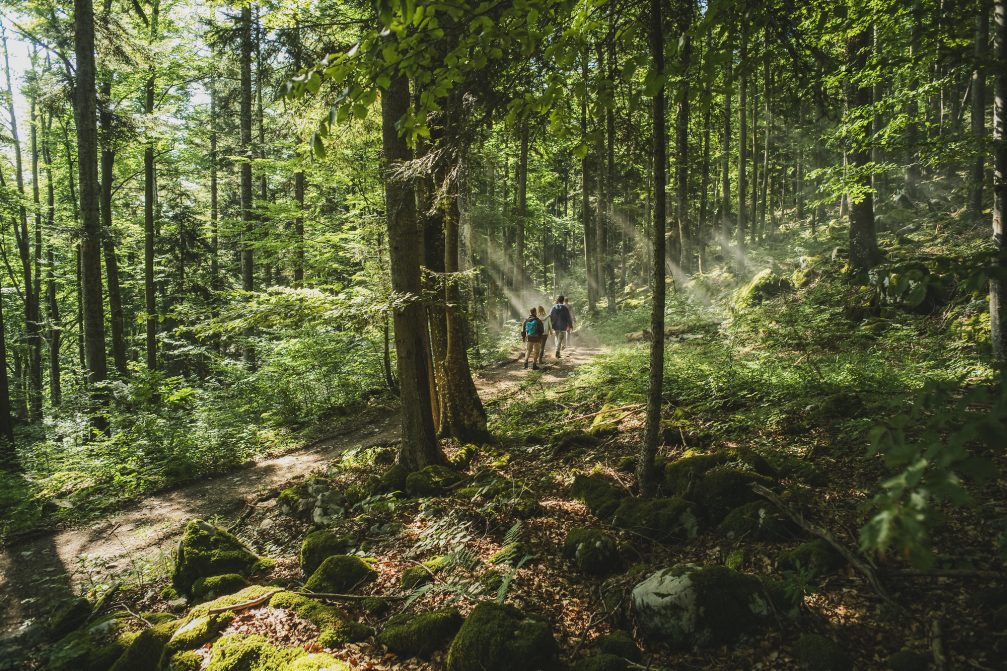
94,647
816,557
421,634
145,651
909,660
819,653
238,652
662,519
621,644
421,574
721,490
600,494
497,637
765,285
602,662
186,660
196,631
688,605
682,475
218,585
573,439
319,546
433,480
339,574
758,521
335,627
205,551
594,551
317,661
392,480
68,617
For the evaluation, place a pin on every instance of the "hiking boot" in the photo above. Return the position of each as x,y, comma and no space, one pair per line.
526,365
534,366
557,355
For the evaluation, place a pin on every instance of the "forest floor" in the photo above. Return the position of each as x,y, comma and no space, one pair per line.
44,568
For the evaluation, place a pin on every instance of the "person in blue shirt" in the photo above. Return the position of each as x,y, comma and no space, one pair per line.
561,322
532,334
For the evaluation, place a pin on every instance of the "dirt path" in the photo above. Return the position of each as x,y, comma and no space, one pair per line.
43,570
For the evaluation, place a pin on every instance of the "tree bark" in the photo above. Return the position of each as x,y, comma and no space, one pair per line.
149,196
55,329
742,131
521,272
998,322
681,245
725,160
863,237
978,92
246,150
590,234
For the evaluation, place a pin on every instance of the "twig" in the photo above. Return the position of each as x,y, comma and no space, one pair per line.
111,592
350,597
135,615
634,406
856,562
257,601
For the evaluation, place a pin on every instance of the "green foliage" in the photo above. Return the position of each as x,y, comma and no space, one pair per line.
340,574
496,637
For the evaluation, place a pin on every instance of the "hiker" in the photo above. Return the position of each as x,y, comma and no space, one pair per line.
546,330
561,322
532,332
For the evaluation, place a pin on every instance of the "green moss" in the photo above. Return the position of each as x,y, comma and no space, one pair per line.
374,606
335,627
786,599
721,490
340,574
600,494
422,634
241,596
237,652
144,653
288,500
497,637
198,630
68,617
757,521
433,480
568,441
421,574
660,519
491,580
818,653
594,551
318,546
763,286
682,475
909,660
620,643
318,661
218,585
464,456
603,662
186,660
94,647
817,557
205,551
510,554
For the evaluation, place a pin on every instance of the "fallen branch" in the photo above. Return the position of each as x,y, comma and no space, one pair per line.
632,406
257,601
856,562
349,597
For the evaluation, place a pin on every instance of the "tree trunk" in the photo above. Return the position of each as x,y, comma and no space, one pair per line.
521,273
419,445
149,196
863,237
35,333
978,92
214,206
646,475
590,235
55,329
7,452
704,185
725,159
681,245
246,151
768,120
90,248
998,318
742,131
611,230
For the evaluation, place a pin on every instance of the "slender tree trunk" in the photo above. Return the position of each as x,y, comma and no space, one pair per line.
90,248
590,234
260,150
725,160
683,252
55,330
35,333
912,170
767,112
978,92
756,184
419,445
742,131
247,217
611,230
521,273
863,237
998,318
646,473
149,196
7,452
117,323
704,186
214,205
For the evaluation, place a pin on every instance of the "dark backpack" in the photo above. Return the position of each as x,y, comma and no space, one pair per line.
560,316
533,327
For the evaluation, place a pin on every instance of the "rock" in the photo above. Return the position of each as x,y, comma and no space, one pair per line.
600,494
422,634
721,490
339,574
594,551
759,521
392,480
571,440
218,585
198,630
902,199
818,653
238,652
601,662
817,557
144,653
335,627
187,660
421,574
661,519
497,637
621,644
909,660
68,617
431,481
288,501
319,546
684,475
205,551
317,661
94,647
687,605
763,286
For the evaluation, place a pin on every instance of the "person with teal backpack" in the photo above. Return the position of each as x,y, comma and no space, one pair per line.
532,332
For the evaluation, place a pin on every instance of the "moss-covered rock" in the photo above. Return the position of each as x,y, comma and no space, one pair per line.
145,651
218,585
662,519
909,660
682,475
392,480
573,439
68,617
198,630
765,285
620,643
319,546
205,551
187,660
818,653
339,574
721,490
786,597
375,606
594,551
94,647
238,652
600,494
757,521
422,634
245,595
421,574
816,557
335,627
433,480
687,605
317,661
498,637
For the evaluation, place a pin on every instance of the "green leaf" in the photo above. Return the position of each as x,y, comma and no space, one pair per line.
317,146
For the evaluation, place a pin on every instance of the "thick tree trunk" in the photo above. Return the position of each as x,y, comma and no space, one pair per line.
998,318
419,445
590,234
117,323
863,237
646,475
149,196
978,92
